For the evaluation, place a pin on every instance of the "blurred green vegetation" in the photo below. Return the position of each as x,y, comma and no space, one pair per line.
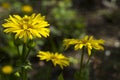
67,19
65,22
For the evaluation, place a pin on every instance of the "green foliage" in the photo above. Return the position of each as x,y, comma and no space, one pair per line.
83,75
60,77
66,22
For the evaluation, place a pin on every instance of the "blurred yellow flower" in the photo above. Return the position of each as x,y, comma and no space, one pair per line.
5,5
27,27
56,58
27,8
7,69
88,42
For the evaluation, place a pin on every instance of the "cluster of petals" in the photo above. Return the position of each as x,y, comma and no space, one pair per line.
56,58
88,41
27,27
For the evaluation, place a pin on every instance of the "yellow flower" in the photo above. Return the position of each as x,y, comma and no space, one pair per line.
27,27
88,42
27,8
7,69
6,5
56,58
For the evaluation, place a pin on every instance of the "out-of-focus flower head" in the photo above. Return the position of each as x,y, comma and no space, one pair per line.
27,27
56,58
7,69
27,8
88,42
5,5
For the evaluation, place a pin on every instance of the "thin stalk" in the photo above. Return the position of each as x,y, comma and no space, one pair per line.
81,61
18,51
52,43
23,71
24,50
27,54
49,70
23,74
88,60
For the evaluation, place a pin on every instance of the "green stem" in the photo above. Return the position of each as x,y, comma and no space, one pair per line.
18,51
23,70
23,74
88,60
52,43
23,52
81,61
49,72
27,54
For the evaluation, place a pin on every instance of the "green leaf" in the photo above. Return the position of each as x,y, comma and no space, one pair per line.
60,77
17,74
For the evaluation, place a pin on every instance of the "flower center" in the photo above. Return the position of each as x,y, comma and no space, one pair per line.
25,24
25,19
84,41
53,57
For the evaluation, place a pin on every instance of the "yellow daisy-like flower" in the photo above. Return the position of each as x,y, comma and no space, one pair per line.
27,8
56,58
88,42
7,69
27,27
